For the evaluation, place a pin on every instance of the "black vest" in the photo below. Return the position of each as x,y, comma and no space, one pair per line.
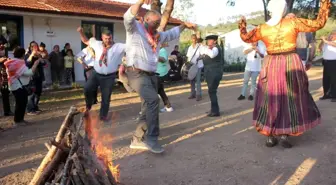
217,61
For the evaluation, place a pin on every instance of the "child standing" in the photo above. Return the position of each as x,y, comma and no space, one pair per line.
69,60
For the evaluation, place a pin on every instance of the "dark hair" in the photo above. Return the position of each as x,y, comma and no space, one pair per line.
19,52
56,46
67,44
30,44
70,50
42,45
107,32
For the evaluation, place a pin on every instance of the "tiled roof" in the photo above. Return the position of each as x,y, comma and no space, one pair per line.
92,8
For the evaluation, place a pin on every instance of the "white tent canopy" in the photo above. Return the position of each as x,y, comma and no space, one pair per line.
234,46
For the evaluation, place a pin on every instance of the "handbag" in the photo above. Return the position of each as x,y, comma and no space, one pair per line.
29,87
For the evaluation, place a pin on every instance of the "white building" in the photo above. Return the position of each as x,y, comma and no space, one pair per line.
234,46
54,22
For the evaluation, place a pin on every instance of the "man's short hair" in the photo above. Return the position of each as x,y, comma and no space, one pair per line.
19,52
151,12
107,32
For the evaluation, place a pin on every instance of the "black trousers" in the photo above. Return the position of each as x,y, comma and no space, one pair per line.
329,77
34,99
213,76
21,99
162,92
105,82
5,99
87,73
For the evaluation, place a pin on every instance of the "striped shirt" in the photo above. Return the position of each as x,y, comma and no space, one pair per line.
139,52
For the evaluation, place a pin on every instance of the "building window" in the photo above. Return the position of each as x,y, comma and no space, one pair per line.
11,30
93,27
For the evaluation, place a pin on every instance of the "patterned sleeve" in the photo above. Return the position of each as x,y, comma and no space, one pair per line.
249,37
307,25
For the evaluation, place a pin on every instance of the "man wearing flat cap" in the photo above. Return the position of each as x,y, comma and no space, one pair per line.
213,68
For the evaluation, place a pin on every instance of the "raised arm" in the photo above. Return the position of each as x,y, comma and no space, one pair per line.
248,37
131,13
84,39
174,33
307,25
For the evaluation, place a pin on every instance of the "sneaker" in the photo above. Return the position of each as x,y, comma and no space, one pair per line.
211,114
32,113
166,109
38,110
139,145
156,148
241,97
250,98
198,98
21,123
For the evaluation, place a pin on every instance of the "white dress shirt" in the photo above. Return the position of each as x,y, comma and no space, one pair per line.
193,55
88,59
24,78
212,53
139,51
114,56
329,52
252,63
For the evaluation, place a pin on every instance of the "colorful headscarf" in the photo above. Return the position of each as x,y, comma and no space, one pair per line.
15,69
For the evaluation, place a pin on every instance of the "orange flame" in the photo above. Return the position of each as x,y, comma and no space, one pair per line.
97,138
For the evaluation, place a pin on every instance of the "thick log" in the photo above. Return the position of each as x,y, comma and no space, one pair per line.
47,145
73,149
80,169
76,179
58,175
166,15
90,174
156,5
52,166
51,153
96,163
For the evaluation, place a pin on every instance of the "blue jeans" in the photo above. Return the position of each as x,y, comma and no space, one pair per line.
247,75
196,82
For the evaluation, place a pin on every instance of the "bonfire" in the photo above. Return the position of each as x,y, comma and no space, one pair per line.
74,159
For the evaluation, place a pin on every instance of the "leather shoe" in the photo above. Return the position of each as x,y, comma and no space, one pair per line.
213,114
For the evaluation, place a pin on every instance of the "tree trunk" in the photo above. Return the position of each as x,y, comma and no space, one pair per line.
166,14
290,4
156,5
265,9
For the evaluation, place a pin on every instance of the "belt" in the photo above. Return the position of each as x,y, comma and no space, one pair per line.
130,68
110,74
283,53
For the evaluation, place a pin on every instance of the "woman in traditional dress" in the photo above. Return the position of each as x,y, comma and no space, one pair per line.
283,107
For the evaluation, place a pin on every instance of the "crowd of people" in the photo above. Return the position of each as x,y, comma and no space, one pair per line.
283,105
28,82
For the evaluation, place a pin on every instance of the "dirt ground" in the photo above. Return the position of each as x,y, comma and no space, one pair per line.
199,150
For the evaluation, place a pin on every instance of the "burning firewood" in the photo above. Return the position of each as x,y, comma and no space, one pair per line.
71,160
